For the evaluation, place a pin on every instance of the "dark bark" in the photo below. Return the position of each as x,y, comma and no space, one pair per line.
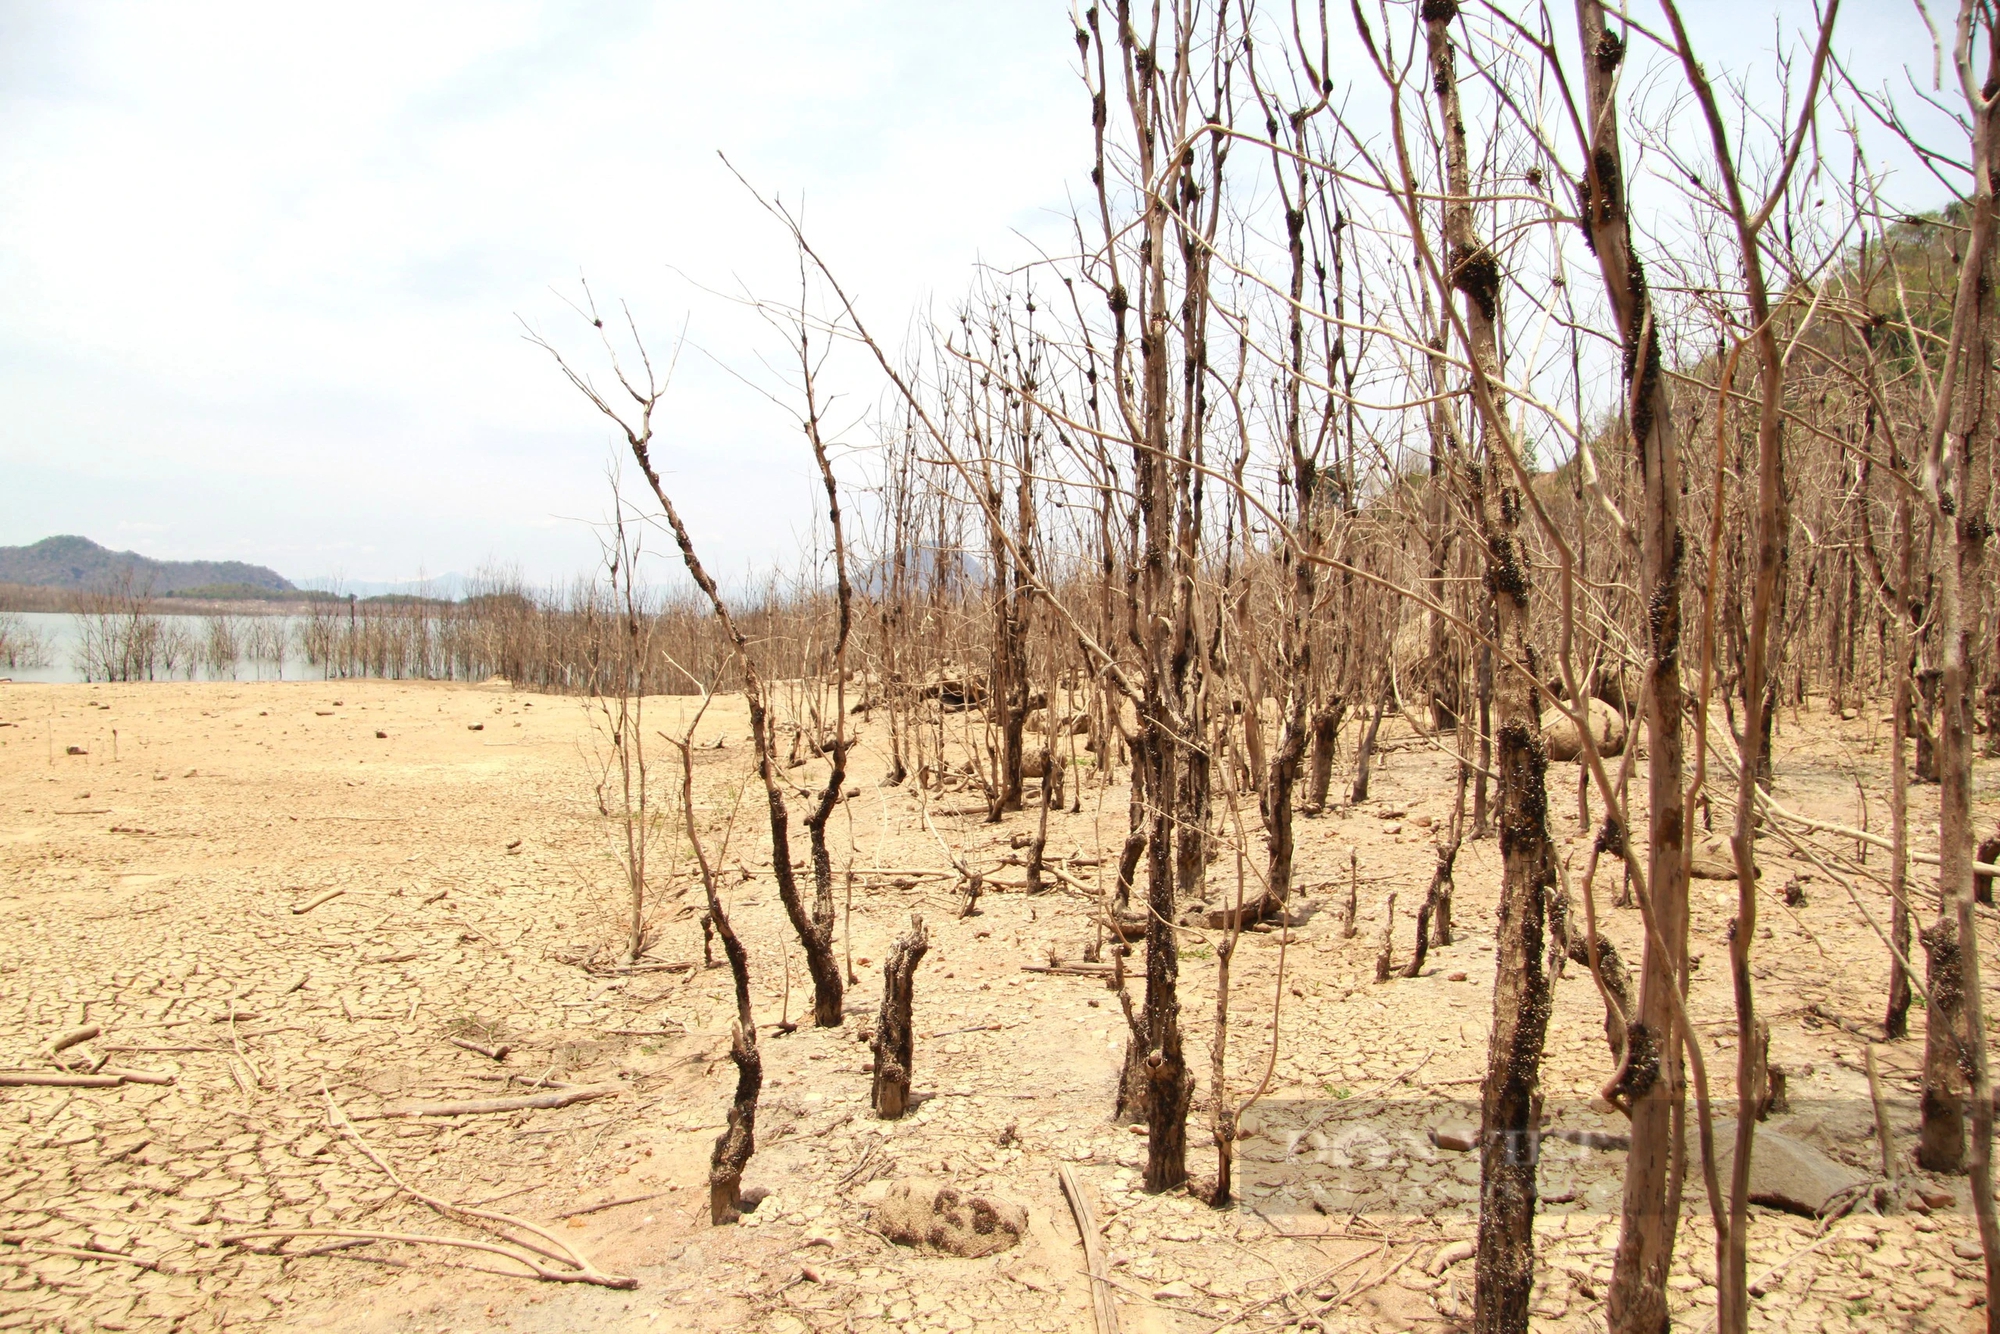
895,1036
1637,1302
1436,907
1325,737
1982,881
738,1140
1510,1096
815,930
1385,949
1364,751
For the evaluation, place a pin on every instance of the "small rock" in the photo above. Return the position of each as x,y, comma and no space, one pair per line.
1937,1199
1422,822
1459,1139
939,1217
1788,1174
1607,728
1177,1290
1453,1254
1454,977
1964,1250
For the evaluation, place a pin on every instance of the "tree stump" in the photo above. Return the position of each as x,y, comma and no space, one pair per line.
1385,953
895,1039
1349,909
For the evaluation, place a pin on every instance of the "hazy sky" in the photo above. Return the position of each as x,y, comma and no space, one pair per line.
260,264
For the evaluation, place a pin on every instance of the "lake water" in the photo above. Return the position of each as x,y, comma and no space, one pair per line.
61,635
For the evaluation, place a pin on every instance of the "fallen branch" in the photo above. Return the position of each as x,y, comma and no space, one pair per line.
867,1155
544,1243
1069,969
483,1106
498,1053
130,1048
1301,1286
31,1246
300,909
67,1040
1103,1308
65,1080
535,1267
610,1204
1859,835
1375,1282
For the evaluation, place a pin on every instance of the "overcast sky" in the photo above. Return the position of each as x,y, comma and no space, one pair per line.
260,264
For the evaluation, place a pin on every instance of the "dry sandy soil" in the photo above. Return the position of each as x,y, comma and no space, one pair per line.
148,885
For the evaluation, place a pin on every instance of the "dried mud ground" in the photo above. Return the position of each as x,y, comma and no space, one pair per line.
148,886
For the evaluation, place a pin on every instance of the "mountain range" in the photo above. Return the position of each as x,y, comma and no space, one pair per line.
79,563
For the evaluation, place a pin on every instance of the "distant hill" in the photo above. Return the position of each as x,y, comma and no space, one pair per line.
79,563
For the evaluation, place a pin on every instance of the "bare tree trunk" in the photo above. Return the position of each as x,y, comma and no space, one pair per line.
895,1035
1482,818
1165,420
820,961
1364,750
1637,1303
1574,947
1958,486
1325,736
1761,665
1436,906
1510,1098
1896,1022
1385,948
738,1139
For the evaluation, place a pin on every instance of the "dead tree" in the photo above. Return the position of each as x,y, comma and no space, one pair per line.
817,934
1510,1097
1160,285
645,391
1657,1097
1759,677
1957,484
738,1139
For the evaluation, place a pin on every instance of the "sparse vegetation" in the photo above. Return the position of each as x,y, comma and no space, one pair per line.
1391,446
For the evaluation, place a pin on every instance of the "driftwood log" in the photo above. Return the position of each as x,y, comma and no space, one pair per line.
895,1042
